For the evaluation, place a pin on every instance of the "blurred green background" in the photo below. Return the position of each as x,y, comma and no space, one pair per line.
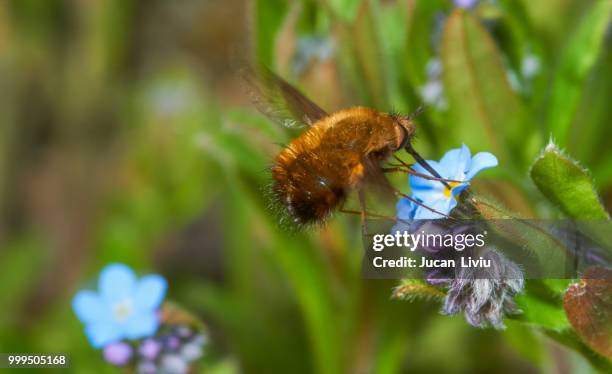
127,136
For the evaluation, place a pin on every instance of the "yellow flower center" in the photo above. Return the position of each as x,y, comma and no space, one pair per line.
123,310
448,190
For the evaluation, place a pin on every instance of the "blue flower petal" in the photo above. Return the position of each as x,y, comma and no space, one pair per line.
405,209
141,325
89,307
429,195
458,189
116,283
481,161
103,333
457,162
441,205
150,292
422,183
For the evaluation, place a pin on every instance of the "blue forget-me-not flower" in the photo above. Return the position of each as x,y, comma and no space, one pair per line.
458,165
124,307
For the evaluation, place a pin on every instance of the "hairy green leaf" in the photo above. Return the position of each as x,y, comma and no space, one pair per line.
567,184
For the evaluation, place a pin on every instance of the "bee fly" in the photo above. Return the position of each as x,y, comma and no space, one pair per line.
338,152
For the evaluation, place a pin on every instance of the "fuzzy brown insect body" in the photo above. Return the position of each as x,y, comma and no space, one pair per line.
313,175
339,152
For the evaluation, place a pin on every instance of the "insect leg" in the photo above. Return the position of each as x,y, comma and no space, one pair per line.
399,193
363,213
424,176
417,157
419,110
402,162
362,205
368,214
416,173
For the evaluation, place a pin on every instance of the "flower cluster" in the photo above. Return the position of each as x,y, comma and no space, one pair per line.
172,351
124,318
483,297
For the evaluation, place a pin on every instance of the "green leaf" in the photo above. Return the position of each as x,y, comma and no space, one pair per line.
346,10
22,259
418,49
269,16
364,33
482,106
525,341
393,17
588,133
542,313
513,32
302,269
579,56
569,339
567,184
551,20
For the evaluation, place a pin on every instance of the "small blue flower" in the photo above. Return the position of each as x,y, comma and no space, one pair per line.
456,164
309,49
466,4
432,91
530,66
124,306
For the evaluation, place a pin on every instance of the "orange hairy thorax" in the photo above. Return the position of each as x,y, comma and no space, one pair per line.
314,173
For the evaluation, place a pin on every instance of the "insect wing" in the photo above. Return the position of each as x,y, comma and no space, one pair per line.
280,101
